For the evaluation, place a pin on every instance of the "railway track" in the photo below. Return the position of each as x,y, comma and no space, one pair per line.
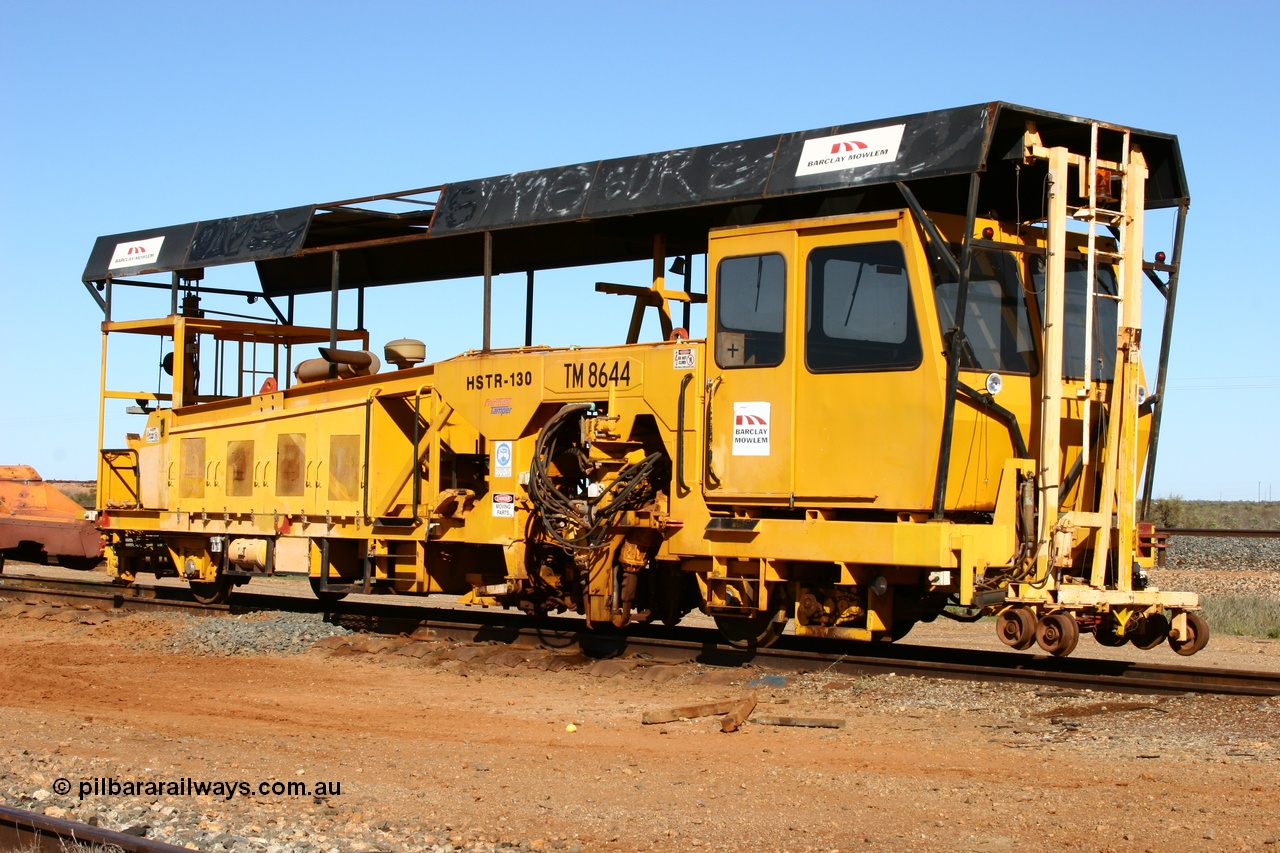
29,832
1223,533
678,644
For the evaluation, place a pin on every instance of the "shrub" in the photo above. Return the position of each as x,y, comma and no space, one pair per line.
1248,615
1168,511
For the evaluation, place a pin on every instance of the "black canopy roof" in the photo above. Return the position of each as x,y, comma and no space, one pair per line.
610,210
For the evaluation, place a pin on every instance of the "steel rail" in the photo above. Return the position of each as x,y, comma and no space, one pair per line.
29,831
1222,533
680,644
136,596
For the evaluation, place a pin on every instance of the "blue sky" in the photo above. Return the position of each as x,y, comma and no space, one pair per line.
122,116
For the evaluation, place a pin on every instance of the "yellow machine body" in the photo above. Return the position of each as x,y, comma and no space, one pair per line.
783,465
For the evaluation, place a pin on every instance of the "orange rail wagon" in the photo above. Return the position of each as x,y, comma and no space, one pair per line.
38,522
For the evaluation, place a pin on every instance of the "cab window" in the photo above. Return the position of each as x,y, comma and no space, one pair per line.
1104,318
996,327
859,315
751,302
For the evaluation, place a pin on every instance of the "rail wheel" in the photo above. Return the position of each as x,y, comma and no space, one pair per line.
1058,634
754,632
1107,632
1016,627
1151,632
1198,629
212,592
325,595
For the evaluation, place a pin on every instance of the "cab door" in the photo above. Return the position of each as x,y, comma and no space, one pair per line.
868,400
750,375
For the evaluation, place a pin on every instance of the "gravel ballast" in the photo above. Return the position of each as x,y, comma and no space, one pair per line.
1223,553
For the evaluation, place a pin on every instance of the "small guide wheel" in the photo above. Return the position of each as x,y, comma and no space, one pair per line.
1058,633
1151,631
1016,627
1197,636
1108,634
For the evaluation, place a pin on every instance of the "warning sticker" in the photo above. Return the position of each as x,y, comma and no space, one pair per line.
502,459
751,429
152,435
684,358
504,505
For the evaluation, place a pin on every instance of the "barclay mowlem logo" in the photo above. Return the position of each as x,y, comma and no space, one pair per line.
751,428
848,146
847,151
136,253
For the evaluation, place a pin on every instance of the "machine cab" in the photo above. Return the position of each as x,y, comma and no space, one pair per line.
817,340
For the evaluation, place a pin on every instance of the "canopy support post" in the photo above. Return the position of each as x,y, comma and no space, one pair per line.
1166,335
333,312
488,288
688,288
528,309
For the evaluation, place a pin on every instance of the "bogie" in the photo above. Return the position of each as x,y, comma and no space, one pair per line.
1151,631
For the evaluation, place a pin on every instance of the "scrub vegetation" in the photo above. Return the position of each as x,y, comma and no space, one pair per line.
83,492
1176,511
1246,615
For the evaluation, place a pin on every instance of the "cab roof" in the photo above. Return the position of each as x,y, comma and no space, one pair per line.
610,210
